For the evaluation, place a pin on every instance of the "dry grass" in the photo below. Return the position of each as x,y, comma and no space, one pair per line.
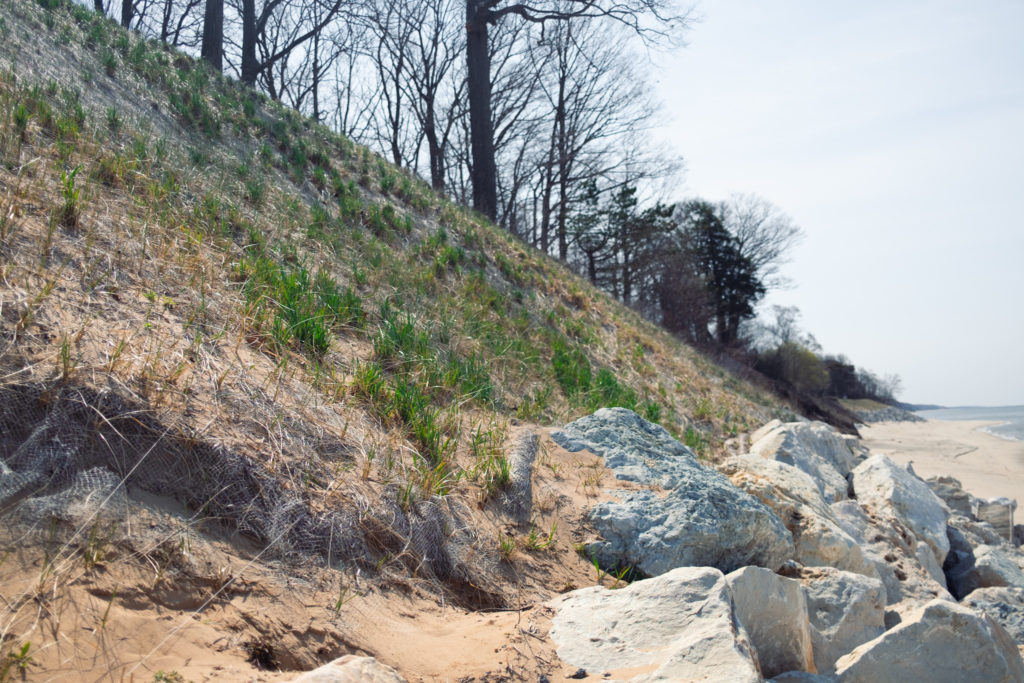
155,229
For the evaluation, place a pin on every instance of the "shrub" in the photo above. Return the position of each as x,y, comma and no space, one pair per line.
69,212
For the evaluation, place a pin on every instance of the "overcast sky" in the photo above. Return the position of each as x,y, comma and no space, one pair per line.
893,134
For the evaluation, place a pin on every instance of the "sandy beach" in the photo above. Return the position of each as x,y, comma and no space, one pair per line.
986,465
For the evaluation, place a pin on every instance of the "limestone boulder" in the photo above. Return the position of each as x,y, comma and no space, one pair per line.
1004,604
704,521
974,532
962,572
633,448
765,429
795,499
941,642
678,626
952,493
880,483
895,552
701,520
774,612
351,669
844,610
814,447
988,566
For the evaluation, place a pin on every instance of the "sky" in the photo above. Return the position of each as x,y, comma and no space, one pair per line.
892,133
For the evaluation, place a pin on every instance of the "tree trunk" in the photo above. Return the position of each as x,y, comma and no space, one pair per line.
478,66
316,77
126,13
250,67
98,6
563,172
434,148
545,206
213,33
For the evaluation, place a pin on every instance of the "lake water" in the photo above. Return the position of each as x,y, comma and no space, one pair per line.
1011,417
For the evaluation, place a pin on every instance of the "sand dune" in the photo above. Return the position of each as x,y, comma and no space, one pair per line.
986,465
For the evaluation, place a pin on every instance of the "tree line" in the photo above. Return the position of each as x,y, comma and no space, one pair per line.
510,106
537,114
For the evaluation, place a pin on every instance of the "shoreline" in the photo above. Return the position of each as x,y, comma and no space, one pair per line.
989,430
988,465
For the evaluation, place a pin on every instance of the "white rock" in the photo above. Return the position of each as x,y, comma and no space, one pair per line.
941,642
845,610
774,612
633,448
351,669
1005,605
880,483
703,520
926,558
893,548
796,500
952,493
767,427
813,447
992,566
677,626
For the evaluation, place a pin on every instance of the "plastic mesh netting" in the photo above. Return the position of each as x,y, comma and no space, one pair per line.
67,446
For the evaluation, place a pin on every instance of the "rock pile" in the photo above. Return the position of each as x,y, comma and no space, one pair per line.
888,414
804,559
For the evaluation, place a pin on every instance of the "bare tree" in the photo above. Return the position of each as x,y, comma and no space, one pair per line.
276,28
175,22
765,234
594,99
481,14
436,86
392,23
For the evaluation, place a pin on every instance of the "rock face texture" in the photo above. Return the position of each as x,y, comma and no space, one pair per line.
988,566
941,642
894,550
794,497
678,626
813,447
952,493
702,520
1004,605
880,483
845,610
821,586
773,610
635,449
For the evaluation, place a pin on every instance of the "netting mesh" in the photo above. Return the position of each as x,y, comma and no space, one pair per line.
65,447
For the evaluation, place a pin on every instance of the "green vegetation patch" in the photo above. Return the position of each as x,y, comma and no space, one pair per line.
292,308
